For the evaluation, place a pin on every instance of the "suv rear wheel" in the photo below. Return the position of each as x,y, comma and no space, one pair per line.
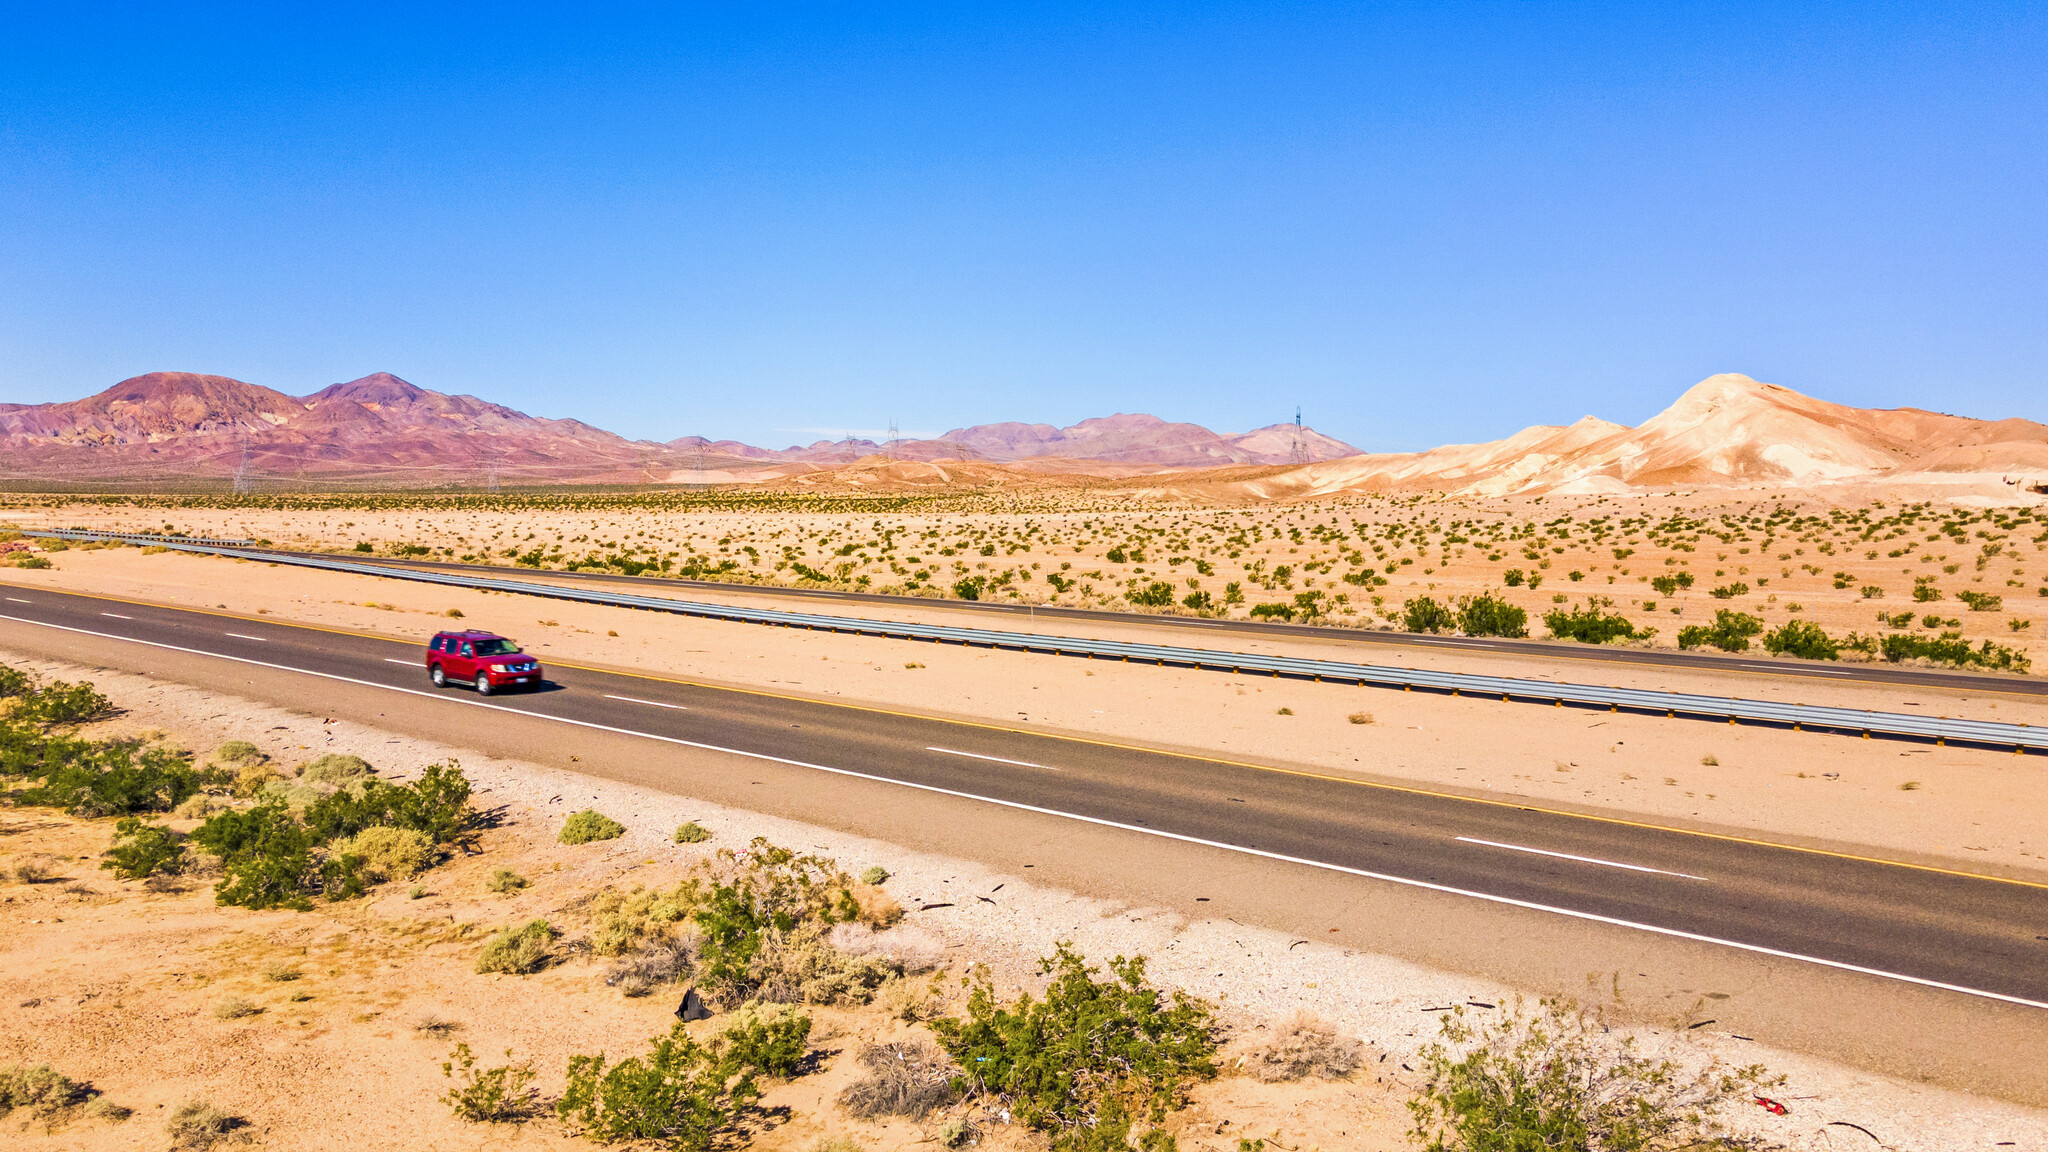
439,677
483,684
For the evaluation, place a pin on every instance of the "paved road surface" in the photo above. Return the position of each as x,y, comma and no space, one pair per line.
1963,933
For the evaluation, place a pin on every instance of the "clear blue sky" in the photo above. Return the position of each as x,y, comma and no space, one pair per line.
1421,223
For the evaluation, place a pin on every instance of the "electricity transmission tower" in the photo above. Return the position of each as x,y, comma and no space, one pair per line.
1298,451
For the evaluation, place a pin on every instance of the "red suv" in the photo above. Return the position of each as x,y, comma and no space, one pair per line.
485,659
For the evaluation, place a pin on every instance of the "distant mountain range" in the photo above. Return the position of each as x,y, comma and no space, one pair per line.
381,429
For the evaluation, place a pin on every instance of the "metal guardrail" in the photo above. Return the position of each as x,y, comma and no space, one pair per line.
2019,737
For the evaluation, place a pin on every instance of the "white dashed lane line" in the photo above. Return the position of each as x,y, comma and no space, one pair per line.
19,600
997,759
649,703
1580,859
240,636
117,616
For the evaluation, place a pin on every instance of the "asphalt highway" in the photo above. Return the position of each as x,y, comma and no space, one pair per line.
1544,649
1963,933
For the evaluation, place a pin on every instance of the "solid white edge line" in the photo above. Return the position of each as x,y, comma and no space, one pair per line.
649,703
1580,859
1591,917
240,636
997,759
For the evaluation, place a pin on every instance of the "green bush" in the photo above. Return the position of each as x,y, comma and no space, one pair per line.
141,850
1485,615
1089,1060
239,752
62,703
1268,611
771,1037
99,778
1803,639
1157,594
1423,614
970,587
875,875
494,1095
1669,585
1730,591
1553,1080
506,880
769,887
1591,625
519,951
266,853
39,1088
436,805
1951,648
1924,591
1982,601
680,1095
1730,631
691,833
588,826
14,682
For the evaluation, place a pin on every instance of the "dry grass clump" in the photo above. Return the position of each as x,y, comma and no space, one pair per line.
801,967
519,951
912,949
905,1078
435,1026
36,869
658,961
336,769
388,853
1300,1047
239,752
282,973
620,920
506,880
39,1088
199,806
236,1009
197,1124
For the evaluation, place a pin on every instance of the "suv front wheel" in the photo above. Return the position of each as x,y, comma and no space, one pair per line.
439,677
483,684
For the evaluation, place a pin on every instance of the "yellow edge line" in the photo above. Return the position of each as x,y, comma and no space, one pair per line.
1296,772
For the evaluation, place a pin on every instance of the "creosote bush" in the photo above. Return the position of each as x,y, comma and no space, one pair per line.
337,769
491,1096
691,833
388,853
771,1037
506,880
679,1095
1730,631
141,850
197,1124
38,1088
1091,1059
1555,1079
588,826
1590,624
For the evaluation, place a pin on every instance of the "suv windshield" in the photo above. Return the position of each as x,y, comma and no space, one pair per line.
496,648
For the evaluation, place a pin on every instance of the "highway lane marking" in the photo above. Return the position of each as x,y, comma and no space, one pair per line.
1580,859
117,616
241,636
997,759
387,659
19,600
649,703
1429,885
1563,813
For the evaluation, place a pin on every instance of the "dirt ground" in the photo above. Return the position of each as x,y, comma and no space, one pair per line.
118,985
1970,807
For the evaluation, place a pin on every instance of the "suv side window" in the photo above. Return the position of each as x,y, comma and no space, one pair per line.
439,644
467,650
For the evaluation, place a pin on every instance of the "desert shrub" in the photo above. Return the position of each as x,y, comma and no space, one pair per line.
388,853
691,833
506,880
255,779
620,920
1801,638
97,778
656,962
35,869
336,769
771,1037
62,703
912,949
14,682
909,1078
1555,1079
197,1124
1090,1059
1271,611
1730,631
590,825
236,1009
494,1095
295,796
1300,1047
800,966
1730,591
266,856
1981,601
1670,584
239,752
39,1088
436,805
283,973
520,950
1424,614
761,887
1951,648
141,850
1485,615
679,1095
1590,624
1924,591
27,561
874,875
199,806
